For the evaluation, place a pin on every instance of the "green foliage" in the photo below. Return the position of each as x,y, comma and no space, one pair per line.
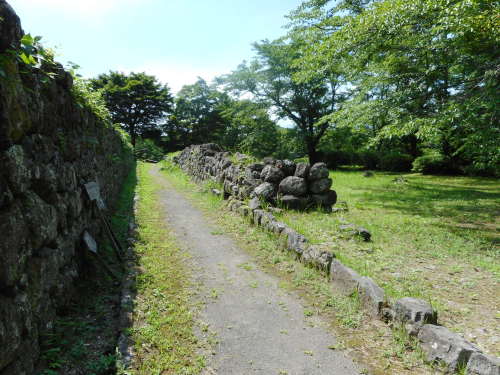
269,78
146,149
30,54
395,161
430,163
138,102
197,117
88,97
249,130
423,72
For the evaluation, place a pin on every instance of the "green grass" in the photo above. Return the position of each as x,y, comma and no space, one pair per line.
433,237
426,219
163,328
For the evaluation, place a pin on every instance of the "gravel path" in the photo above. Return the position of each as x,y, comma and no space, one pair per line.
260,328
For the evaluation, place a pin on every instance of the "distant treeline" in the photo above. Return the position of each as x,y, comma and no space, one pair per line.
394,85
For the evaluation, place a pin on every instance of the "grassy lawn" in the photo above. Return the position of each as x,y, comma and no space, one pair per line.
433,237
164,321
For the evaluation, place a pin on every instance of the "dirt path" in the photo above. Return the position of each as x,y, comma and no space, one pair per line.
259,328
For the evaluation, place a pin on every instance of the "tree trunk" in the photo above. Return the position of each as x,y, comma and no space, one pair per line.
312,153
133,135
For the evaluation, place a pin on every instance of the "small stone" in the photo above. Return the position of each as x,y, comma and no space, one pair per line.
292,185
256,167
318,171
268,160
355,230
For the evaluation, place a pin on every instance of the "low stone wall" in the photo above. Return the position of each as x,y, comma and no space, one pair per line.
49,148
280,182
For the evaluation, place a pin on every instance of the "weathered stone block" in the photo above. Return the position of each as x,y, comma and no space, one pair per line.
317,258
440,344
295,241
482,364
286,166
320,186
302,170
325,200
318,171
17,169
293,202
266,191
254,203
372,296
271,174
345,279
415,312
292,185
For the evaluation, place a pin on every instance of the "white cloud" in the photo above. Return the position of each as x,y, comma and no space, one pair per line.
77,7
175,75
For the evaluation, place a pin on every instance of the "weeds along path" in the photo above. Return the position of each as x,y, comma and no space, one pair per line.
255,327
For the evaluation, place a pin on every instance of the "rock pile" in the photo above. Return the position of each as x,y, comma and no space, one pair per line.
279,182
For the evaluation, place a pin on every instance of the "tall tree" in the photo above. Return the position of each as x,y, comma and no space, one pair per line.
138,102
249,128
197,117
424,71
270,79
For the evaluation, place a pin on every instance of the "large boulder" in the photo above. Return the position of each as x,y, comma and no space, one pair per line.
286,166
318,171
302,170
327,199
271,174
293,202
292,185
266,191
320,186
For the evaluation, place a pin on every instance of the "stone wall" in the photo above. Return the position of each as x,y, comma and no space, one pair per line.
280,182
49,148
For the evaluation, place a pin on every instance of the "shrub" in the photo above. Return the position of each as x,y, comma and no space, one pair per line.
146,149
431,162
369,159
395,161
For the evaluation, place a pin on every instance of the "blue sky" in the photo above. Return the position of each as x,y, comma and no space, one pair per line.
176,40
